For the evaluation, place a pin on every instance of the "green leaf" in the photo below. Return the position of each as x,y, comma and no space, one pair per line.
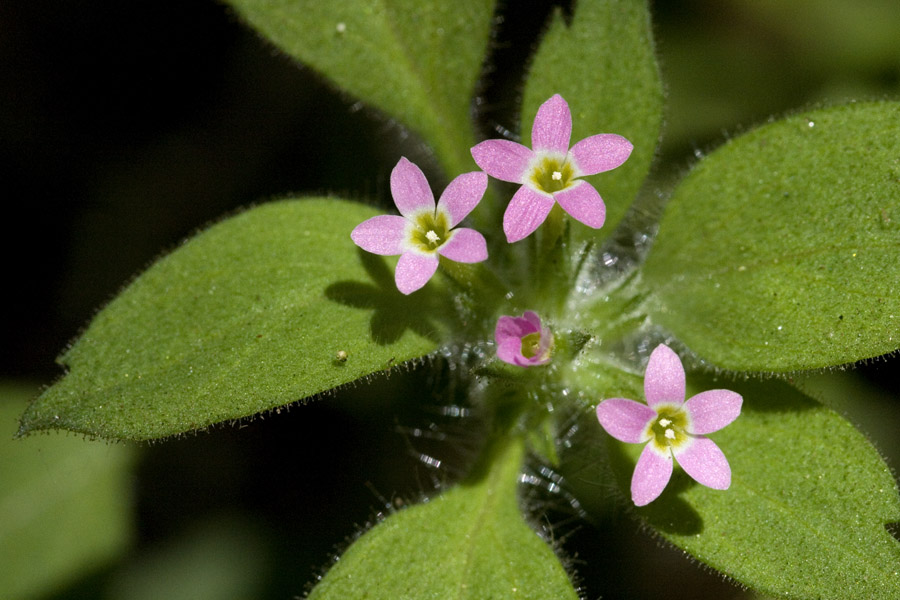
806,512
604,66
416,60
225,558
65,505
781,250
469,542
247,316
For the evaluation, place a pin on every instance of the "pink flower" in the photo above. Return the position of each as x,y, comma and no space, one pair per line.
672,428
522,341
549,173
425,230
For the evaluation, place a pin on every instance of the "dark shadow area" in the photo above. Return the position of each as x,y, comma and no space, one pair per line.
893,529
514,40
393,312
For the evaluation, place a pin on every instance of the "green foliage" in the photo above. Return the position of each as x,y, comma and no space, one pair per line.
417,61
778,252
65,506
247,316
469,542
223,559
806,512
781,250
603,65
769,56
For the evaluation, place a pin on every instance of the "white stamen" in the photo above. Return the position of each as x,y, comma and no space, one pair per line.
670,434
432,236
665,422
556,176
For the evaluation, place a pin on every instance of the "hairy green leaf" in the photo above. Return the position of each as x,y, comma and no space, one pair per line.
604,66
806,512
781,250
65,505
247,316
469,542
418,61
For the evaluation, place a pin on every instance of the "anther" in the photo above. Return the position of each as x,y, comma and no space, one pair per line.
432,236
557,176
665,422
670,434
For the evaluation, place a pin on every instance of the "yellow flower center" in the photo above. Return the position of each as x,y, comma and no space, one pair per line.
668,430
431,231
552,174
531,344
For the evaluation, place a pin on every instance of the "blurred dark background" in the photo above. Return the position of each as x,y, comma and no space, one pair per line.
126,126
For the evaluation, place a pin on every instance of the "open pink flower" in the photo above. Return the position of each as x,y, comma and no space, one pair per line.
672,428
549,173
522,341
425,230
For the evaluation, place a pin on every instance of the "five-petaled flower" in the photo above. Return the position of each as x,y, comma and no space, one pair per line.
522,341
671,427
425,230
550,172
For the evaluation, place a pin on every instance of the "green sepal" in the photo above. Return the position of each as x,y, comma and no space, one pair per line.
268,307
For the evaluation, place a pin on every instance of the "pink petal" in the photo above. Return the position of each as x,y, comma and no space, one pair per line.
532,317
510,351
583,203
534,361
664,378
703,461
414,271
462,195
525,213
512,328
599,153
508,334
651,474
383,235
503,159
552,126
410,189
465,246
625,420
711,411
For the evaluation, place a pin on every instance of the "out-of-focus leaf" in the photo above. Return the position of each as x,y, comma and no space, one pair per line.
604,66
247,316
416,60
468,543
781,250
220,560
65,505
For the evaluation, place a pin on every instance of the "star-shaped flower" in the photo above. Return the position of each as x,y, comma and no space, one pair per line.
425,230
672,428
522,341
550,172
